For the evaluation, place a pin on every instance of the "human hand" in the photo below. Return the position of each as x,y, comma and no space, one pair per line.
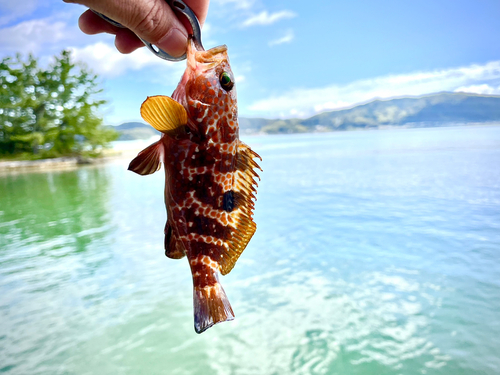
152,20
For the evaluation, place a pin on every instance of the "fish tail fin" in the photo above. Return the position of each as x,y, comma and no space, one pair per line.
211,305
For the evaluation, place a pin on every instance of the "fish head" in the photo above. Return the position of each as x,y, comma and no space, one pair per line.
208,93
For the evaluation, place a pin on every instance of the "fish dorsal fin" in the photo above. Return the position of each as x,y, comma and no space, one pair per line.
163,113
242,199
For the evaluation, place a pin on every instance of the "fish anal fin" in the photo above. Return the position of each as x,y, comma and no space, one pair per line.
243,203
148,161
163,113
173,247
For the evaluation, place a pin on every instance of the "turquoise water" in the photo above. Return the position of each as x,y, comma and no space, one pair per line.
377,252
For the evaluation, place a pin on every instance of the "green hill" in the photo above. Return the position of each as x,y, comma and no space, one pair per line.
423,111
135,130
430,110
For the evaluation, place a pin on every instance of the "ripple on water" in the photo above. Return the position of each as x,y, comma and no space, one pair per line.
318,323
376,253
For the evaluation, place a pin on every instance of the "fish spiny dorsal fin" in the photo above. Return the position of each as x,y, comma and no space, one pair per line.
163,113
242,199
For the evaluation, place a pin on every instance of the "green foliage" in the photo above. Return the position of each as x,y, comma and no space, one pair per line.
50,112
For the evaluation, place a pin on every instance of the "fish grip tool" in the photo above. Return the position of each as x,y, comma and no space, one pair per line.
176,5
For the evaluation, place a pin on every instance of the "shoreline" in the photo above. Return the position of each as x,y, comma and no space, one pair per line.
50,164
62,163
130,148
120,150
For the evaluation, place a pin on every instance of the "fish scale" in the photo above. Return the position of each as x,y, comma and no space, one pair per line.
210,179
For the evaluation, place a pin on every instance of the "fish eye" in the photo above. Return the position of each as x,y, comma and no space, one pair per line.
225,81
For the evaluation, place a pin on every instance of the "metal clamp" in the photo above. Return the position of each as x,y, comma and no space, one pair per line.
176,5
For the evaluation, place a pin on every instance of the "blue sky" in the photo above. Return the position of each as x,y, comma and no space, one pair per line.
290,58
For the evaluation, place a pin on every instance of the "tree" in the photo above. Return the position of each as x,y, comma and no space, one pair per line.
50,112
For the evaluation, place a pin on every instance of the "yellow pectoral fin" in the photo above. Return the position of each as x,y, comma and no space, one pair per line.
163,113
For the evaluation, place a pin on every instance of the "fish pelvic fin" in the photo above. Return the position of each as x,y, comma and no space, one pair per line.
148,161
173,247
163,113
211,305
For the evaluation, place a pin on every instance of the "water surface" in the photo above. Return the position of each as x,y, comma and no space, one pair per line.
377,252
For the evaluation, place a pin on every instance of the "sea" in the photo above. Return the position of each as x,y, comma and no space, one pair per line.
376,252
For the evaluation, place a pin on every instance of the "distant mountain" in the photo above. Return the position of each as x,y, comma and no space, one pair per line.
252,125
423,111
430,110
135,130
131,125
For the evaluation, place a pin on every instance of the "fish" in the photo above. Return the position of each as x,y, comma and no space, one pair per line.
210,177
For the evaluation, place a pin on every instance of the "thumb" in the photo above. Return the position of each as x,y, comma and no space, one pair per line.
152,20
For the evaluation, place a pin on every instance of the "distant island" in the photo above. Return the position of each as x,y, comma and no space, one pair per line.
439,109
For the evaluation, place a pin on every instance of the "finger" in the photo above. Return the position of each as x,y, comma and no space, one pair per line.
126,41
200,8
152,20
90,23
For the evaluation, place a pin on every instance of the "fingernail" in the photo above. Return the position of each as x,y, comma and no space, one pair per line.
174,42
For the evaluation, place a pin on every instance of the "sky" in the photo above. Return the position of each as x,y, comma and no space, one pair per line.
290,58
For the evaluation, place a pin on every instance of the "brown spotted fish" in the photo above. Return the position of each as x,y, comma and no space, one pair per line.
210,177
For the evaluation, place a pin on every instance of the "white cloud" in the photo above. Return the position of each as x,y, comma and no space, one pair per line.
105,59
480,89
473,78
287,38
32,36
48,36
265,18
238,4
45,36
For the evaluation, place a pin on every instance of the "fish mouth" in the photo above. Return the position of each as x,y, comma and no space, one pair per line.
198,58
